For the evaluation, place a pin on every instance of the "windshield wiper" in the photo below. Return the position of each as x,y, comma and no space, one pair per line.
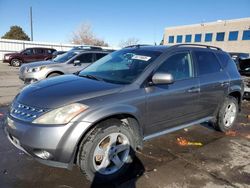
91,77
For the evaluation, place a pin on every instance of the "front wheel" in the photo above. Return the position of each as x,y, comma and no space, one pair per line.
107,151
15,62
227,114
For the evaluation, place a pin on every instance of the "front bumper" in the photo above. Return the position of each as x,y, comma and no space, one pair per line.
59,141
6,60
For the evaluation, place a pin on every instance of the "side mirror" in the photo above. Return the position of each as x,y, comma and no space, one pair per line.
76,62
162,78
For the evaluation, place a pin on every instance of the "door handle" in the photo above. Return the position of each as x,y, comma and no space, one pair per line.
194,90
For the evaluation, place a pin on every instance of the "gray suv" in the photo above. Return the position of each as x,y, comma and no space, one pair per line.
67,63
99,117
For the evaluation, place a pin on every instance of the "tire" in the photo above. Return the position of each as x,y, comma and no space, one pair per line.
53,75
226,117
94,166
15,62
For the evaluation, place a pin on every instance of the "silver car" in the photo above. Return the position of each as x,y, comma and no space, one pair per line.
68,63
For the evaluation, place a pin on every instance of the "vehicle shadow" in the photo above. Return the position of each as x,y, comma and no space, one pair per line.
127,180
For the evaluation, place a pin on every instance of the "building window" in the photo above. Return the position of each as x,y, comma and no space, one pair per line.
220,36
171,39
246,35
188,38
208,37
197,38
179,39
233,35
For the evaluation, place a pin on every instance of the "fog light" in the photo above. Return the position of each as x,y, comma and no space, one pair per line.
42,154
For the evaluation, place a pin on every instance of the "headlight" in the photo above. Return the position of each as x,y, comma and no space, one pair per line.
34,69
61,115
7,57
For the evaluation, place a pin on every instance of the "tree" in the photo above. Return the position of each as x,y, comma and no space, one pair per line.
84,35
129,42
17,33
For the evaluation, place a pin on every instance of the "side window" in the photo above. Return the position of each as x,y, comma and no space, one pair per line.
99,56
224,59
39,51
28,52
207,62
49,51
85,58
179,65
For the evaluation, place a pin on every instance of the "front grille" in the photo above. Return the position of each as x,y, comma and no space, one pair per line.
24,112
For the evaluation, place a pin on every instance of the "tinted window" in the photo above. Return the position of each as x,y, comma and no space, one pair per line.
224,58
39,51
208,37
171,39
246,35
197,38
28,52
179,39
99,56
207,62
233,35
220,36
179,65
188,38
85,58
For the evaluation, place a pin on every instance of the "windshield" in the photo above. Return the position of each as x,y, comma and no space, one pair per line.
121,67
64,57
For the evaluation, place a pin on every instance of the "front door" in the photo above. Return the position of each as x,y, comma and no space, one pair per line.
84,59
177,103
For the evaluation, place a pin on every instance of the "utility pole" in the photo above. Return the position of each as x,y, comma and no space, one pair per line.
31,24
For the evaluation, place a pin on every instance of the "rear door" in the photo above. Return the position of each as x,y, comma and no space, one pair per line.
177,103
39,54
213,79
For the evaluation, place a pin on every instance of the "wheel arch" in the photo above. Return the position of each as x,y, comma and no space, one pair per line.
237,95
58,72
130,120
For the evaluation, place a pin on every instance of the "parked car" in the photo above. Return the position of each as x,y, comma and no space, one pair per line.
246,88
244,65
98,117
28,55
67,63
237,57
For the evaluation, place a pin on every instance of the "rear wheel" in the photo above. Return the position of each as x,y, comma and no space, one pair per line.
16,62
227,114
107,151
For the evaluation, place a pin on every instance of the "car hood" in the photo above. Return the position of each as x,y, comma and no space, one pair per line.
38,64
62,90
9,54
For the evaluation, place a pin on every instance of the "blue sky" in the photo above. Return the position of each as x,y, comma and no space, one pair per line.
114,20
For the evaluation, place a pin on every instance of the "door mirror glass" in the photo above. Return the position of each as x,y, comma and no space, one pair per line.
76,62
162,78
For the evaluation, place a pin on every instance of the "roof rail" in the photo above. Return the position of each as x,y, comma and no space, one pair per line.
136,45
200,45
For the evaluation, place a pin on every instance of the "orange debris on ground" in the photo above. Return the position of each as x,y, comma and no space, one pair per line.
231,133
184,142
